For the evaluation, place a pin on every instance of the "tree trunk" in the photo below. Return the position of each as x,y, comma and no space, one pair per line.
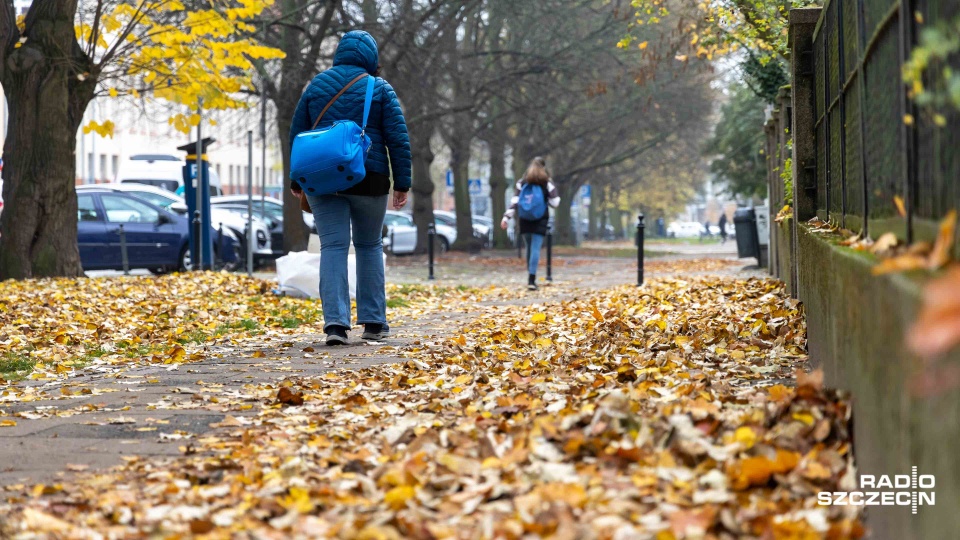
498,186
593,214
563,232
423,187
602,210
618,229
296,234
460,163
46,99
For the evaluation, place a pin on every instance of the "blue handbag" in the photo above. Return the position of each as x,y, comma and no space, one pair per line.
328,160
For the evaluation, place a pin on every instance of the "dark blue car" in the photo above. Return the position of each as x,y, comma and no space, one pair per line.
156,239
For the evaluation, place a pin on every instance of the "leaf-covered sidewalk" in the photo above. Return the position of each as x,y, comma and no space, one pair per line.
678,410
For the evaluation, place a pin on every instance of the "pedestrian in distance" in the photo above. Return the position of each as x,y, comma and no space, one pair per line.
723,228
329,98
535,195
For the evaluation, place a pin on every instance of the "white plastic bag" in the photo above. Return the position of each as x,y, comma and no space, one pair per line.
299,274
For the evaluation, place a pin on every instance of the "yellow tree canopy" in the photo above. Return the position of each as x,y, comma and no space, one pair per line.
174,50
717,27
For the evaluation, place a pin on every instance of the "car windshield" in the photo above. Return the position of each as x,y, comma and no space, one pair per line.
445,220
169,185
160,200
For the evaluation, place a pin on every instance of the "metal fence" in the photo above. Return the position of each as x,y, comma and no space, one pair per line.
874,148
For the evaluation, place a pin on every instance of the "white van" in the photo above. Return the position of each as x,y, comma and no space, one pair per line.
160,170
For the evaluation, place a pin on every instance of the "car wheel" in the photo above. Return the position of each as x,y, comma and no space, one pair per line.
184,259
444,244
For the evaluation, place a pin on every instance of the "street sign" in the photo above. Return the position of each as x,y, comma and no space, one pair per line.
476,186
585,191
449,178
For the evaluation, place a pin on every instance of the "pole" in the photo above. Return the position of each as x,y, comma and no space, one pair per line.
249,202
431,236
550,254
263,152
640,231
123,251
219,252
198,200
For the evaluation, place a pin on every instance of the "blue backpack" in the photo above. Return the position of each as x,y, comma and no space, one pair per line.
332,159
532,205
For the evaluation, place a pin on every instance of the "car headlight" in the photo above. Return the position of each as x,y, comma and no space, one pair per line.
261,239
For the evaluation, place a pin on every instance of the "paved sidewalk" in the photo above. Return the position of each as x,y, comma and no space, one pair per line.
158,410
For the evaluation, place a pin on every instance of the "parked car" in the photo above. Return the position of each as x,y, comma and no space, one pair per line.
164,171
156,239
273,223
481,230
272,207
684,229
402,233
229,220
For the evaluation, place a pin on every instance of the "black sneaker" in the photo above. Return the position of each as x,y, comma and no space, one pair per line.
532,282
336,335
375,332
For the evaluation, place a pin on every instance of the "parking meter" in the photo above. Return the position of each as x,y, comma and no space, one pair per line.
205,252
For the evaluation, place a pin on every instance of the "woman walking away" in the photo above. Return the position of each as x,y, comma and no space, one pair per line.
535,193
329,98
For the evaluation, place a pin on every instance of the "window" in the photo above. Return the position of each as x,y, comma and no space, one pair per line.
103,166
230,170
124,210
115,163
155,198
169,185
86,209
393,220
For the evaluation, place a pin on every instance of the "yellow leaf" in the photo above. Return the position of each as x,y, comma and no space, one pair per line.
643,45
113,92
539,317
8,423
397,497
745,436
805,418
901,208
943,247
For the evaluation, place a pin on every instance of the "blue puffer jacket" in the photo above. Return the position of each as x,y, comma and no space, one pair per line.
356,54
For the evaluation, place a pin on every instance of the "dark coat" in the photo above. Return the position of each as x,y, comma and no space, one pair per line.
386,127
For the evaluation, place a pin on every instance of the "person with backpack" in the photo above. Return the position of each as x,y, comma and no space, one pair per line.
535,195
347,135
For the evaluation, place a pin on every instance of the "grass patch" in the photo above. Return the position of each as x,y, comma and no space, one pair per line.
247,325
397,303
14,366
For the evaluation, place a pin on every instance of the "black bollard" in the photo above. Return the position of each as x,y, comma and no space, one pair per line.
550,254
640,229
198,253
219,253
123,251
431,237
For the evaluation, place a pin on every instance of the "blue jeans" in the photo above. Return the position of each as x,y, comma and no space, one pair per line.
334,215
534,243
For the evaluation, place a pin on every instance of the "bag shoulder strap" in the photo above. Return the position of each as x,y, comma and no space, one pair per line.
367,101
336,97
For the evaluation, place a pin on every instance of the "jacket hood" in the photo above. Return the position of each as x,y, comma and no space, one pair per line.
358,48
